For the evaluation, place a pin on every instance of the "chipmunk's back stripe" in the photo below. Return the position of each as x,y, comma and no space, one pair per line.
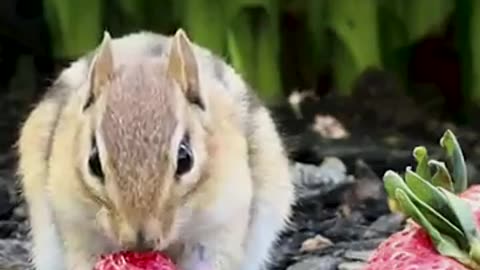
57,94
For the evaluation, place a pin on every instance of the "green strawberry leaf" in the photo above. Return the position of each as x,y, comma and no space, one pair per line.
421,156
444,245
430,195
464,214
391,181
455,160
475,250
442,177
394,182
433,203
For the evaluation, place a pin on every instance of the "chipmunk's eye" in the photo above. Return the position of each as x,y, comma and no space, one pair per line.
184,157
94,162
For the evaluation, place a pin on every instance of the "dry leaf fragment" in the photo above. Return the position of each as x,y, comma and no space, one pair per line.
318,242
329,127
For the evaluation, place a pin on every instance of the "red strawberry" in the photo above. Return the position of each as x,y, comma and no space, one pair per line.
443,229
126,260
412,247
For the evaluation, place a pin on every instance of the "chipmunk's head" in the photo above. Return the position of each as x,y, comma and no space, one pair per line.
142,147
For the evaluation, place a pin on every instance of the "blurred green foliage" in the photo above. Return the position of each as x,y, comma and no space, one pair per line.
347,36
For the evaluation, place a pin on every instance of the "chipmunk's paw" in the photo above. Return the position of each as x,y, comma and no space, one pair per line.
196,258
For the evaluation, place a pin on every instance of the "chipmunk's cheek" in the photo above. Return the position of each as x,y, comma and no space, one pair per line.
105,224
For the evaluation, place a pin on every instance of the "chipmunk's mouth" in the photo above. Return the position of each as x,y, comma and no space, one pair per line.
141,238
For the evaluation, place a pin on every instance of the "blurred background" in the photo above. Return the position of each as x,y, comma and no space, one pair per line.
336,71
277,45
362,81
340,68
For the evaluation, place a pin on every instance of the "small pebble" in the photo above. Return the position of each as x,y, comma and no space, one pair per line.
362,255
14,254
351,266
20,212
316,263
385,224
318,242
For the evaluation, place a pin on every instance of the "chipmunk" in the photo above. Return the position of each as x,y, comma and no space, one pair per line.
152,142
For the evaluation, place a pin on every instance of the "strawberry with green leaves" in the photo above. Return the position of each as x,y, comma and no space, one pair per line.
444,215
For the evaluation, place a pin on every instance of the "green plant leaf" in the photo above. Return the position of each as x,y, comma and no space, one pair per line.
345,68
448,219
421,156
444,244
430,195
420,16
70,38
256,52
393,182
455,161
420,22
464,214
267,61
134,11
393,28
317,25
241,47
442,177
353,21
205,23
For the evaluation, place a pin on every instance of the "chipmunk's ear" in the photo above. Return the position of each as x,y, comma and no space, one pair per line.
100,70
182,66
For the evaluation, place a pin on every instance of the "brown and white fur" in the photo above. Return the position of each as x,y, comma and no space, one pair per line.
136,97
